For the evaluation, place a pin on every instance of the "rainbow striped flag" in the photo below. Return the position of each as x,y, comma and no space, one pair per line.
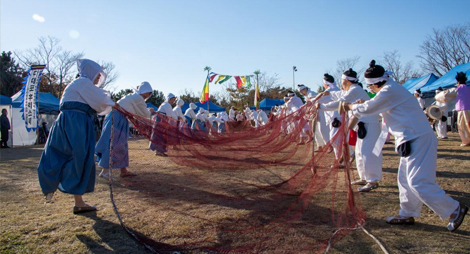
205,91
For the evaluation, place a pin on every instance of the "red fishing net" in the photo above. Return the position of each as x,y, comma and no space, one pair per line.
253,190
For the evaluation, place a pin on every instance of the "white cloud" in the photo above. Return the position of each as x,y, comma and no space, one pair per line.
74,34
38,18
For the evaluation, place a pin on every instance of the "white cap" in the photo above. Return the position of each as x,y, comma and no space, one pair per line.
145,87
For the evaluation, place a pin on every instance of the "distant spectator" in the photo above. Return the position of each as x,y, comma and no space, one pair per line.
5,127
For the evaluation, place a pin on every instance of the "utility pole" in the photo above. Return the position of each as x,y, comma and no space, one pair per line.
294,69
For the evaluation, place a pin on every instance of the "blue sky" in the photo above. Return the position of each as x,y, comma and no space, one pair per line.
168,43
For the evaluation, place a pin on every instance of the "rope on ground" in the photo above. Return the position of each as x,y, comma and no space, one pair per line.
111,179
130,232
357,228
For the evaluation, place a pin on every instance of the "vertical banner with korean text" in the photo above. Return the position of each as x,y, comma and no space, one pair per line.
30,97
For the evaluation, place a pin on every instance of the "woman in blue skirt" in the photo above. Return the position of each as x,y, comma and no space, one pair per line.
67,161
135,104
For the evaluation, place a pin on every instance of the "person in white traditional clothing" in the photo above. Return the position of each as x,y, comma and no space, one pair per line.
369,164
292,105
310,96
201,121
254,117
306,92
190,115
214,122
441,125
222,119
231,113
135,104
67,162
332,121
416,143
178,110
262,117
418,96
462,105
158,141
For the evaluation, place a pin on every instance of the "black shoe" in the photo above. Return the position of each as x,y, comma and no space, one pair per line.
454,223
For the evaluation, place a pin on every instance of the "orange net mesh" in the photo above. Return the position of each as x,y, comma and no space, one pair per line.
253,190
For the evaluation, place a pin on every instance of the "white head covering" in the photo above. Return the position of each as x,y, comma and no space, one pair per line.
301,87
201,111
385,77
169,96
192,106
180,102
90,70
331,85
145,87
290,94
353,79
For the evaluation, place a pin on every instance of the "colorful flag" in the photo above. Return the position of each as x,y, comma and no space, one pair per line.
205,91
212,77
30,97
257,95
248,82
221,77
225,79
239,81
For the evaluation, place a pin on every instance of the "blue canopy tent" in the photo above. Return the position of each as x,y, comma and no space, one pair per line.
150,105
267,104
5,100
448,79
416,83
212,107
48,103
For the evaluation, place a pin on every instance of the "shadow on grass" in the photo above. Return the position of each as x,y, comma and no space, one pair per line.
111,234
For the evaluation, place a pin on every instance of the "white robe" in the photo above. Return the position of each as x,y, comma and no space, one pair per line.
262,118
369,165
167,110
294,104
135,104
231,115
417,172
84,91
441,126
190,113
329,118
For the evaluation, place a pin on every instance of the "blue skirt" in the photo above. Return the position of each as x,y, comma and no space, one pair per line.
157,141
189,120
199,125
120,147
221,127
67,161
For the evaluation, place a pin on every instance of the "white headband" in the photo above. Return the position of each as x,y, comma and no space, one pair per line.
349,78
329,83
385,77
290,94
301,87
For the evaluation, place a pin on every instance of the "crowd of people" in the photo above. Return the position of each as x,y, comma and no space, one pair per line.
67,162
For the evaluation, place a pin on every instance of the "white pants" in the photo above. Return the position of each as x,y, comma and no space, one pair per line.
322,131
417,180
337,143
369,165
441,129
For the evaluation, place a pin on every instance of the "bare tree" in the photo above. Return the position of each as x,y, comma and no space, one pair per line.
111,74
343,65
401,72
58,71
445,49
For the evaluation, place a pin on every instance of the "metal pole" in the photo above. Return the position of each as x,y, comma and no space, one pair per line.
208,99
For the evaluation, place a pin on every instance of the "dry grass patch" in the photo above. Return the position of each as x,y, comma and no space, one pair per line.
173,205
